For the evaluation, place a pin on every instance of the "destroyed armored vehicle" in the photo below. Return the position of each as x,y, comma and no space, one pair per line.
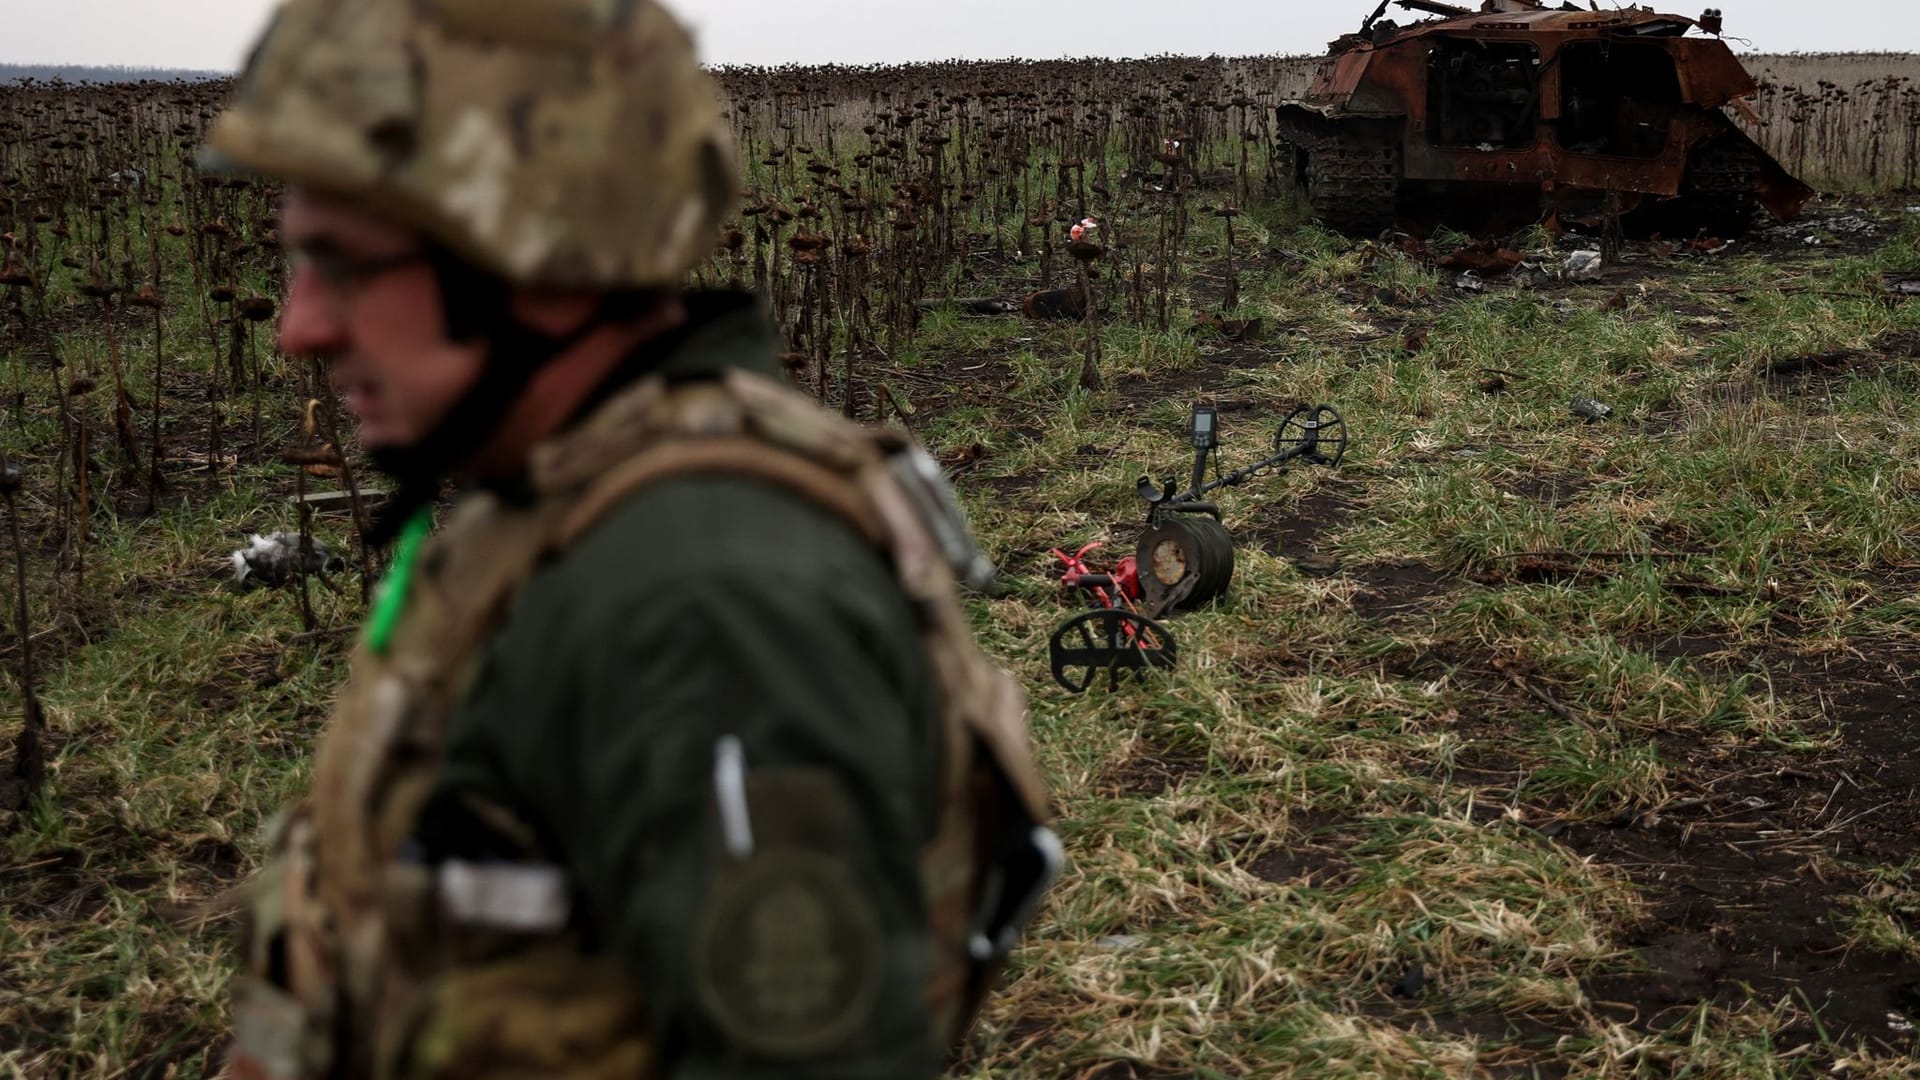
1522,110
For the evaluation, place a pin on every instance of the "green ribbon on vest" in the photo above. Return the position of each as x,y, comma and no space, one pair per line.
391,597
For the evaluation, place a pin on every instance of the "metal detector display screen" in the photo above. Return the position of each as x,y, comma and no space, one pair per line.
1205,435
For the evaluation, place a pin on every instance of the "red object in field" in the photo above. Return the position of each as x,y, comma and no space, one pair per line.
1120,587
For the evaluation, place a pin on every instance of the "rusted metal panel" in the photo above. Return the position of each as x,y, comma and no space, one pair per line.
1392,83
1547,162
1562,22
1710,74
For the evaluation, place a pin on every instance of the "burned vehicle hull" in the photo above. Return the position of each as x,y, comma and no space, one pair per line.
1528,111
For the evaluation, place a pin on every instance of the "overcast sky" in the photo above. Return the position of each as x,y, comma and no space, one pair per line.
215,33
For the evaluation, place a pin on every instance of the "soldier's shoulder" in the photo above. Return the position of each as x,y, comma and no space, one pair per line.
723,522
721,536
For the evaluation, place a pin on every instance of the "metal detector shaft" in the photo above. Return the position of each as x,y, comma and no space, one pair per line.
1241,476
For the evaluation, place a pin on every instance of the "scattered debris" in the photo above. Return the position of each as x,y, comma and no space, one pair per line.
960,459
1413,983
1318,565
973,305
1590,410
1530,274
1583,266
1232,329
1851,225
1486,258
275,559
1055,304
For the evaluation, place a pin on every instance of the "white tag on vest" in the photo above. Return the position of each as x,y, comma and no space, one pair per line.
525,898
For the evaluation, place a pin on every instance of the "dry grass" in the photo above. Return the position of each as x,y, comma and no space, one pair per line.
1423,805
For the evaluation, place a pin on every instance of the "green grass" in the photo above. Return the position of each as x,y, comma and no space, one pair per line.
1337,784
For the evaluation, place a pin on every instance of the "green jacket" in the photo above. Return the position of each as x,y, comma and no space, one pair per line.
705,607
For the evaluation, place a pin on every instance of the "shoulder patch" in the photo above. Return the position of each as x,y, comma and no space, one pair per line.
790,957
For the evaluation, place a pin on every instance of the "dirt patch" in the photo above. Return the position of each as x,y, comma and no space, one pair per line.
1302,531
1397,588
1151,772
1689,647
1792,369
1590,569
1827,374
1311,855
53,886
1733,925
1750,869
1184,385
1898,344
956,379
1011,487
219,858
1553,489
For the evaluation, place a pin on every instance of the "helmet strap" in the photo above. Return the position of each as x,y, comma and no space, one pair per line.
474,306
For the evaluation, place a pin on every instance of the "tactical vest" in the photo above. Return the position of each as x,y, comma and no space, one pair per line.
346,940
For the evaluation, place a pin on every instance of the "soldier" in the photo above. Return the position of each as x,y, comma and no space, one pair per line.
670,754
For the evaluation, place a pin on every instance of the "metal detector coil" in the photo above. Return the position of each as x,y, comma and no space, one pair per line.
1315,434
1110,640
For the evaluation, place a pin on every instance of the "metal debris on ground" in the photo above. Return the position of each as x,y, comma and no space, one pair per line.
1590,410
1530,274
1851,225
1486,257
275,559
1583,266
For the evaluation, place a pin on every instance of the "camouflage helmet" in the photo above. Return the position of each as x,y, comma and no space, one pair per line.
572,144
